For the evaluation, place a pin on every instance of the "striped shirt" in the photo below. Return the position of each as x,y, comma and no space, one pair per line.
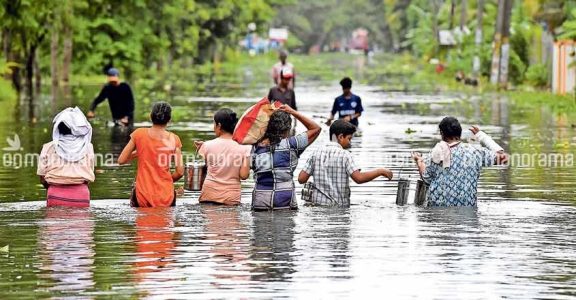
331,167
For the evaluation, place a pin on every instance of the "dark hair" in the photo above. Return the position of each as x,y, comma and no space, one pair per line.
161,113
342,127
450,128
279,124
63,129
346,83
227,119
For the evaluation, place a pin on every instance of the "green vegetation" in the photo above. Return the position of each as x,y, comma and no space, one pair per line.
60,38
6,90
184,47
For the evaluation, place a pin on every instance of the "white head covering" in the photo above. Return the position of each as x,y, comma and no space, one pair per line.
441,153
72,147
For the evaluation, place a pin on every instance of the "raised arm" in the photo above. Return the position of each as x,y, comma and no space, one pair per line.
313,128
488,142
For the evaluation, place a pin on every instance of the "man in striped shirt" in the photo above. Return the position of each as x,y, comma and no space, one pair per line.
332,165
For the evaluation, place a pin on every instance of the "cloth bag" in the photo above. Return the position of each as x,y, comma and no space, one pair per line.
253,123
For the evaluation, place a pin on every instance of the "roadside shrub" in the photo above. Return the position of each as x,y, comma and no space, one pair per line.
537,75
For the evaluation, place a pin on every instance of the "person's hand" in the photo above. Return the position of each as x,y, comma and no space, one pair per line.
348,118
474,129
90,114
387,173
198,144
287,108
416,156
329,122
501,158
124,120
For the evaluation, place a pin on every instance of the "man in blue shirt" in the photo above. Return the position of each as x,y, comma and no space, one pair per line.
348,105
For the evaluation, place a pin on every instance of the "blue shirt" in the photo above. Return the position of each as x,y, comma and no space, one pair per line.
346,107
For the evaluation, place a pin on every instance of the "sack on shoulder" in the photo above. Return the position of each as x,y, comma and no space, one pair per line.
253,123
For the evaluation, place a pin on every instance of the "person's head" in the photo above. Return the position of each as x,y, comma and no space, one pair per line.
225,121
341,132
283,55
278,127
113,75
63,129
285,77
450,129
346,84
161,113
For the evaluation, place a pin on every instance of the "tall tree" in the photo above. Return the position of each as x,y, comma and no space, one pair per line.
505,53
497,44
478,39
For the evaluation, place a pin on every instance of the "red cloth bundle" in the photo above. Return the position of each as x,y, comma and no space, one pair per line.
252,125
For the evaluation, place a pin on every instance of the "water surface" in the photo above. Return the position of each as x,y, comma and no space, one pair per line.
518,244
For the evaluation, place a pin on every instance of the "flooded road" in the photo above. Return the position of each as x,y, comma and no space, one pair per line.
518,244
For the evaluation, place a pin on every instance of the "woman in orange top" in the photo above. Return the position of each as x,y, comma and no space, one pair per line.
155,148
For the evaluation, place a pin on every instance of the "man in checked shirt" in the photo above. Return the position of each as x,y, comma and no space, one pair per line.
332,165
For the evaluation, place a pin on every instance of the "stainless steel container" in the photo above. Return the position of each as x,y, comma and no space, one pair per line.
194,175
403,191
421,191
307,191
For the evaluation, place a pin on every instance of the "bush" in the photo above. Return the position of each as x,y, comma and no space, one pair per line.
6,90
537,75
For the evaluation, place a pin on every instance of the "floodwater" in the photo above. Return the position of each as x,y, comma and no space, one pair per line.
518,244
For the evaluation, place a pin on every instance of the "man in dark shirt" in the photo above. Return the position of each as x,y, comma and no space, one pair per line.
282,92
348,105
120,99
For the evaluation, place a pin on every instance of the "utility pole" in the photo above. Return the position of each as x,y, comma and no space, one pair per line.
478,40
495,67
505,53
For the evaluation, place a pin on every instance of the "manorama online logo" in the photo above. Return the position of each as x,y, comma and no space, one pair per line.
14,157
13,144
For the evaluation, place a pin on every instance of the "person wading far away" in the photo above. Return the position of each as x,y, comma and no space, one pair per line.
283,65
120,99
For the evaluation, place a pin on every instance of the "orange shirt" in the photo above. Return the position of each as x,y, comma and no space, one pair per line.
154,186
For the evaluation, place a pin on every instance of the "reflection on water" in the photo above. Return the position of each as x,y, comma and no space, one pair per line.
519,243
273,245
66,249
155,242
229,250
502,249
119,137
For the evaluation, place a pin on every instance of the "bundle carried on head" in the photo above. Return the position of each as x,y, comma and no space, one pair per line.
252,125
72,134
